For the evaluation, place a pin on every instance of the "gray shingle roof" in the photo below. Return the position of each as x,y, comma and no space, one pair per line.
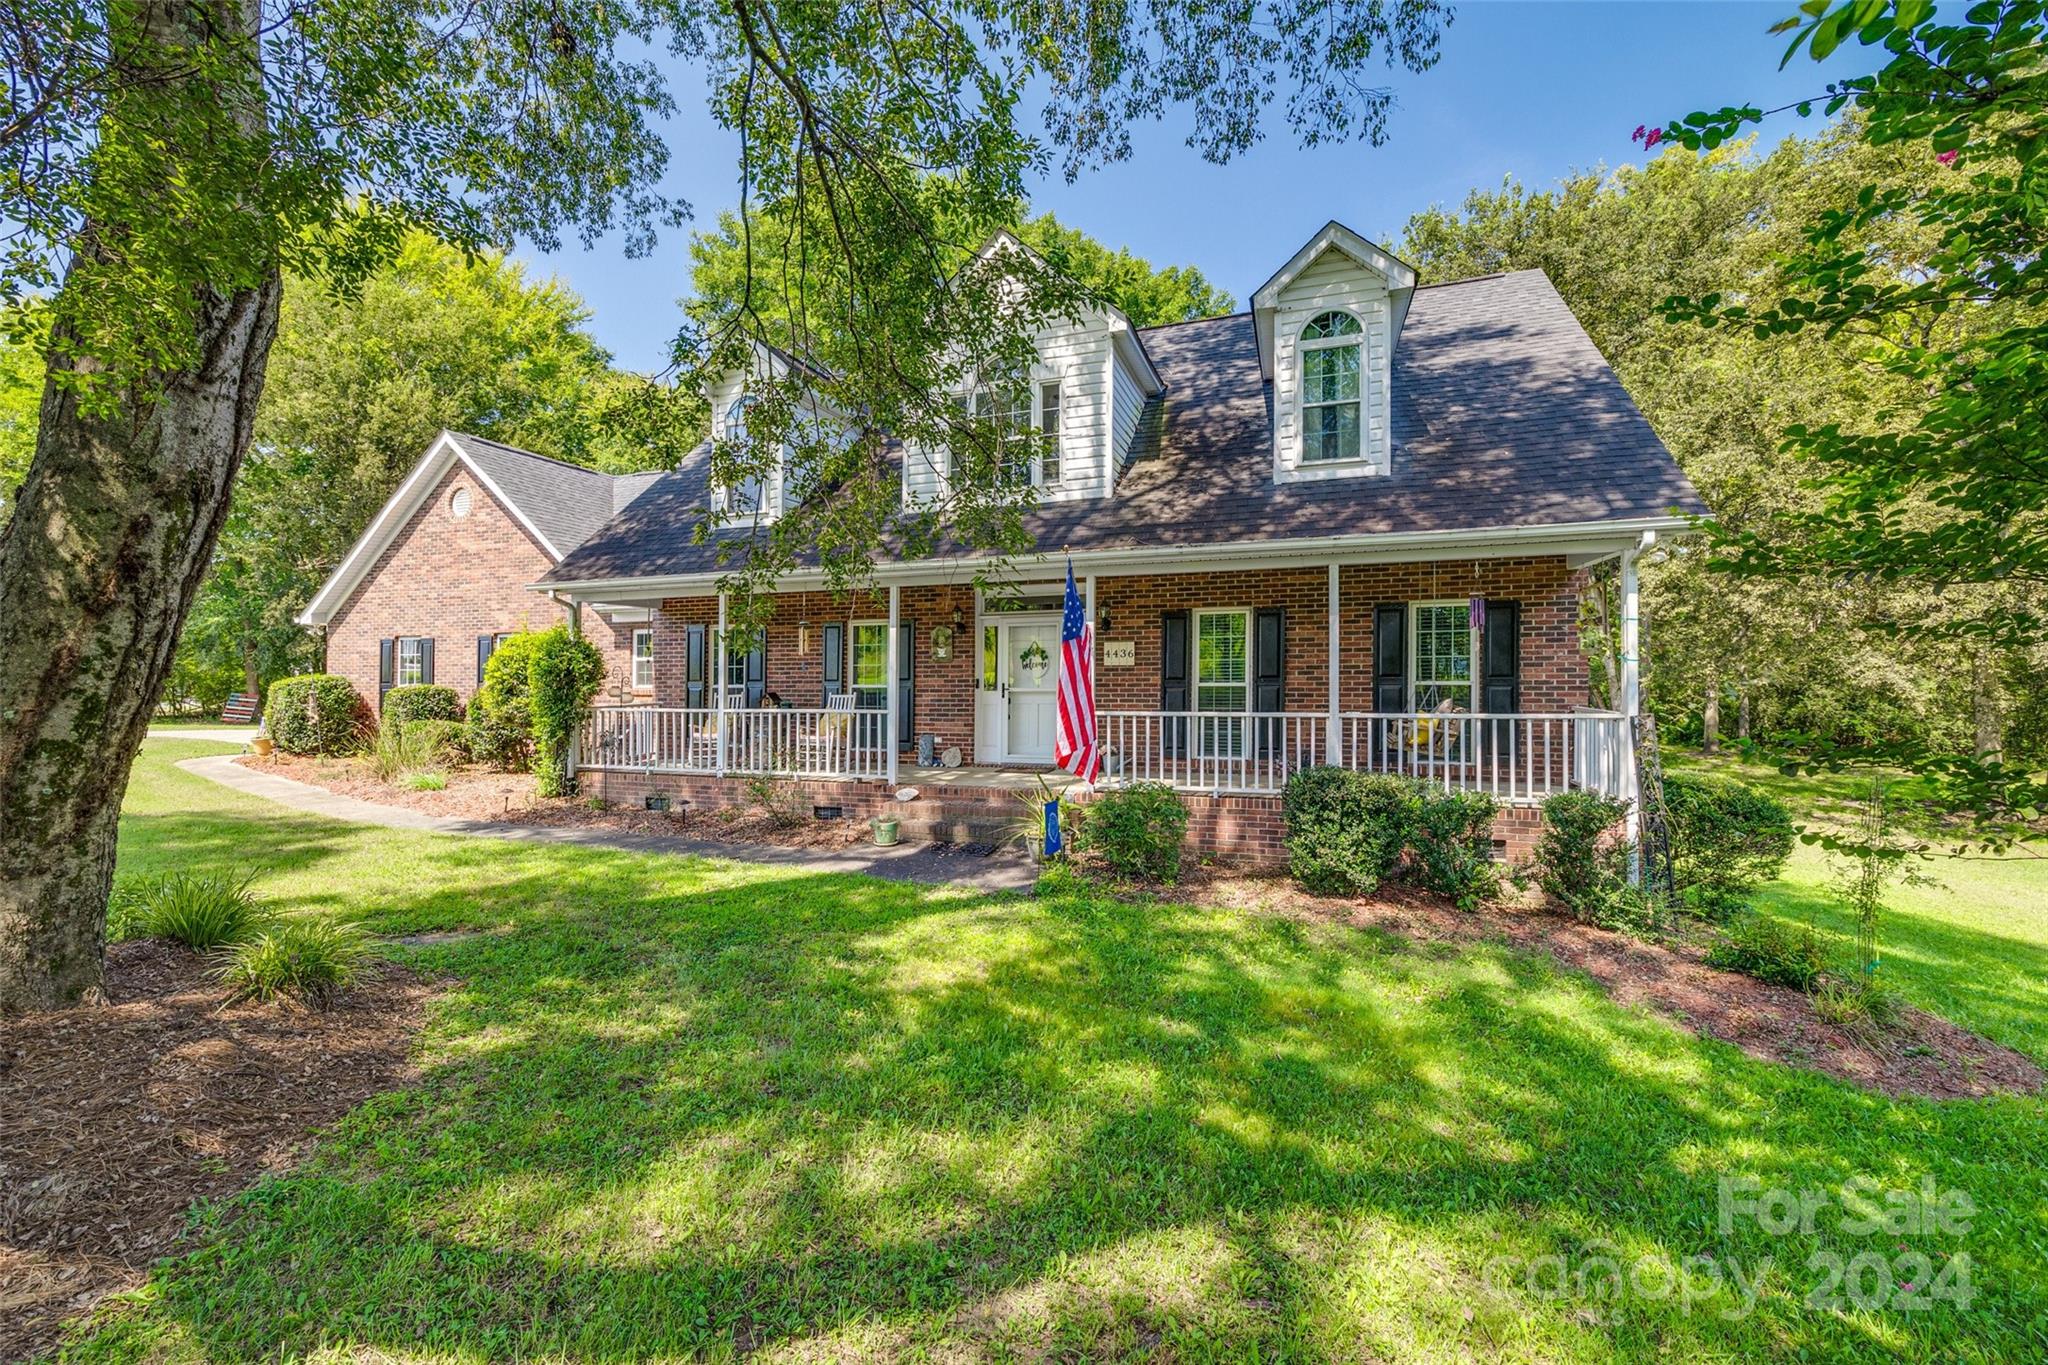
1504,415
567,503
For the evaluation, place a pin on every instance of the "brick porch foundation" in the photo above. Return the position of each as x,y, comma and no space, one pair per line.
1239,829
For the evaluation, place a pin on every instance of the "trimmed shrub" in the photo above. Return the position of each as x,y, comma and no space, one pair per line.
1450,845
1726,839
1770,951
1136,831
310,962
201,910
500,716
420,701
399,751
316,713
563,677
447,741
1346,830
1578,862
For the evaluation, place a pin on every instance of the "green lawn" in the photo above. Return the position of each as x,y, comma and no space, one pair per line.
1972,947
676,1108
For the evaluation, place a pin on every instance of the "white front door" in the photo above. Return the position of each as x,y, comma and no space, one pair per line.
1028,666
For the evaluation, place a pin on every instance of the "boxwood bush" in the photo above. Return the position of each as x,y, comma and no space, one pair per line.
1450,845
1346,830
1580,863
316,713
1726,840
1136,831
420,701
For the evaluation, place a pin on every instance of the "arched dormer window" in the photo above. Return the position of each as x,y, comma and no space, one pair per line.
1331,388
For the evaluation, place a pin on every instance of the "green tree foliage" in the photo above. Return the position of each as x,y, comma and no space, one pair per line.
359,385
563,675
21,395
1756,658
1946,489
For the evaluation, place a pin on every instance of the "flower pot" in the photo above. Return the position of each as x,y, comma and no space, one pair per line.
1034,844
261,746
885,830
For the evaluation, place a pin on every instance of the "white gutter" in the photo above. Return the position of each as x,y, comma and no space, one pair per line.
1604,535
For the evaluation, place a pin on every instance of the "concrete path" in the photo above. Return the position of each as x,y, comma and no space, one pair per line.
903,863
240,734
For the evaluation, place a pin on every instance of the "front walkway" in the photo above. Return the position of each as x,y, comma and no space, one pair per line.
903,863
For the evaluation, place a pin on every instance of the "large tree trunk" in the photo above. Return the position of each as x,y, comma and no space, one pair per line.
1742,713
1988,724
1710,716
106,550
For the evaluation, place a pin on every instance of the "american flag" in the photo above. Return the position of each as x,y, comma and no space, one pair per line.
1074,747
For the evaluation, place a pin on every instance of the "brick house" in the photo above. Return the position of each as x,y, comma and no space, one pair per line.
444,570
1350,525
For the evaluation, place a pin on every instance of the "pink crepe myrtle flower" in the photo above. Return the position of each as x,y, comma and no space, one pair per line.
1637,136
1652,138
1947,158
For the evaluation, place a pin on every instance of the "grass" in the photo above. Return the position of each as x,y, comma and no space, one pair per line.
1973,946
677,1108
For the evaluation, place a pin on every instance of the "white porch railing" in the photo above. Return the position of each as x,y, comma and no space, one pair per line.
778,741
1517,758
1210,750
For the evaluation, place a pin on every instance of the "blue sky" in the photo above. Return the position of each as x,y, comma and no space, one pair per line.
1530,89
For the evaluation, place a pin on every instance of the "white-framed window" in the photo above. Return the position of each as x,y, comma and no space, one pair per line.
643,660
458,503
867,646
1020,413
1223,670
412,661
1332,389
1440,655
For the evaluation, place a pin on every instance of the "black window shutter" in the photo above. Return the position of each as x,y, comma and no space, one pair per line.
1269,671
1390,658
906,674
427,659
386,649
1174,670
1503,640
834,646
484,645
693,665
1501,674
757,669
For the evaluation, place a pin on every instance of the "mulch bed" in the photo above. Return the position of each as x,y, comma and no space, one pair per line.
1925,1056
114,1119
482,794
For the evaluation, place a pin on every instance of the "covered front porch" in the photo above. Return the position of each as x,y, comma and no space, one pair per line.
1465,673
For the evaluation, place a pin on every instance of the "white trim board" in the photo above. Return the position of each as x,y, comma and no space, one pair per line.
444,454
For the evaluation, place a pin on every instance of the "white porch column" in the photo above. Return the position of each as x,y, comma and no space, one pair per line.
892,740
1333,750
575,614
718,685
1631,692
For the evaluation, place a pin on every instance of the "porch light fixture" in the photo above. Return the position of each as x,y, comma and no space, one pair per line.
958,619
1102,620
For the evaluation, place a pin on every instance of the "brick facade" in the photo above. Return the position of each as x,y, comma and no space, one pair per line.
1553,673
451,579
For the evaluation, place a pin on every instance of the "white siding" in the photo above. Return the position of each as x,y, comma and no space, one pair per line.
1127,403
1079,356
1333,281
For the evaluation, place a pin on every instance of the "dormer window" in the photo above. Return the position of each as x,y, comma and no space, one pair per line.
1331,390
1016,413
742,498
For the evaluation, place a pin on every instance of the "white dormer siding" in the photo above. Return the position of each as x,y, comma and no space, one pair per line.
816,417
724,394
1100,398
1340,273
1335,283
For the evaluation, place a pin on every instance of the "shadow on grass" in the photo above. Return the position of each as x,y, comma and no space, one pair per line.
684,1107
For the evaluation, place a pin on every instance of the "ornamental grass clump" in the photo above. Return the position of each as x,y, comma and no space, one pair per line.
202,910
309,962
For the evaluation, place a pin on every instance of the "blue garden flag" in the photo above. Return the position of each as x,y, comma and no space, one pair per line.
1052,828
